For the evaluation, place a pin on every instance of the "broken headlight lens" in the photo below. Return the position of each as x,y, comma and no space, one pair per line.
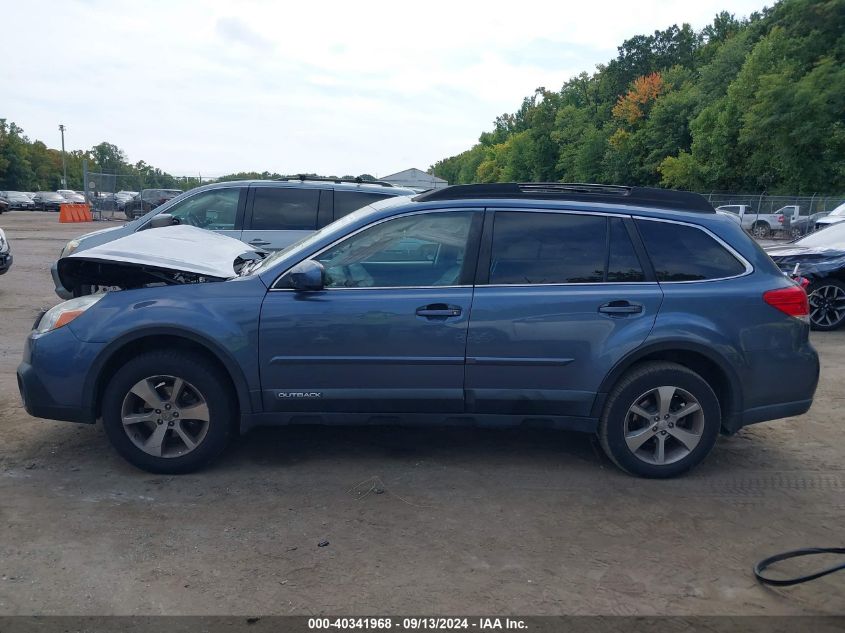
69,248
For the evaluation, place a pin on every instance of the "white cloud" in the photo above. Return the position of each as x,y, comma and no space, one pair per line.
215,87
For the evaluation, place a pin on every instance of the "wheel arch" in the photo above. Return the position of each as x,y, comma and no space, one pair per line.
131,344
711,366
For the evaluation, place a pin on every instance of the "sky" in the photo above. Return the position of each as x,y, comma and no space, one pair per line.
215,87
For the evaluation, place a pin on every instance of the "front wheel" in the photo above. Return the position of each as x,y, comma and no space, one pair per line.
827,304
168,412
660,420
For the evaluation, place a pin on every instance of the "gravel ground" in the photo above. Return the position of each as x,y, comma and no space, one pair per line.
424,521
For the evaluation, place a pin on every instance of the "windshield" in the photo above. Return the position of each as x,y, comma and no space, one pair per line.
840,210
832,236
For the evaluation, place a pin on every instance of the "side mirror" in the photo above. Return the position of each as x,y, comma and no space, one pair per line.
307,275
162,220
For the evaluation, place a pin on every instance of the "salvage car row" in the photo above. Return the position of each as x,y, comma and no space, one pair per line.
544,304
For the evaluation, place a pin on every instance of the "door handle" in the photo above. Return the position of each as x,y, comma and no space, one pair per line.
439,310
259,242
620,308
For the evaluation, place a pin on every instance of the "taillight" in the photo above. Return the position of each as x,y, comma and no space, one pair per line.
780,219
792,301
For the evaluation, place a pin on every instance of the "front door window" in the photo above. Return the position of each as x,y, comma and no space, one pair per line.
214,210
424,250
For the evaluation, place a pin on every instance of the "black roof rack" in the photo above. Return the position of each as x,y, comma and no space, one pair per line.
612,194
357,181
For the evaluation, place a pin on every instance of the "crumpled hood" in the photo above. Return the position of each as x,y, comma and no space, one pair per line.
179,248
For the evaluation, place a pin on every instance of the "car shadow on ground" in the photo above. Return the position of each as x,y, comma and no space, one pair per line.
54,446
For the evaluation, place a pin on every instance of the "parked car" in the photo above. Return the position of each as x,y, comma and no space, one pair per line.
762,225
17,200
640,315
837,215
266,214
5,253
71,196
820,258
147,200
48,200
122,197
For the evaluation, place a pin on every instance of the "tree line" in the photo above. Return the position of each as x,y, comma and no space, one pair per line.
32,166
744,105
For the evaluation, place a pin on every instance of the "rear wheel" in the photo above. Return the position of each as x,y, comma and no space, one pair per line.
827,304
761,230
168,412
660,420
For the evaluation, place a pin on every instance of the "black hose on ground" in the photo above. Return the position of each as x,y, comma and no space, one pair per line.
809,551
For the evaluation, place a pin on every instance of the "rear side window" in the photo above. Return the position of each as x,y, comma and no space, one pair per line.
284,208
558,248
685,253
345,202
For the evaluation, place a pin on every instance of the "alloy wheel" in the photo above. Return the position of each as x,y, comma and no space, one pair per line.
165,416
827,306
664,425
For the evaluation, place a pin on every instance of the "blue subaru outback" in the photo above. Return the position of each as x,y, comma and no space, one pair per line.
636,314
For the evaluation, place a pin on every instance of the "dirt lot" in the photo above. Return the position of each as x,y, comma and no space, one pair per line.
469,521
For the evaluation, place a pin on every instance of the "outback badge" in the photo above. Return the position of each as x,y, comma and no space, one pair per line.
283,395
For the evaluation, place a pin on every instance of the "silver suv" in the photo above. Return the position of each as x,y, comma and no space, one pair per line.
266,214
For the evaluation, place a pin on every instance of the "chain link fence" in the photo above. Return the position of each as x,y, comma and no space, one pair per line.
124,196
777,217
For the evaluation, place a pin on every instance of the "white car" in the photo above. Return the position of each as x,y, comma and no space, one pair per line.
837,215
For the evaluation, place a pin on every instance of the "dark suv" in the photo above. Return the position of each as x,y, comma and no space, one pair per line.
639,315
147,200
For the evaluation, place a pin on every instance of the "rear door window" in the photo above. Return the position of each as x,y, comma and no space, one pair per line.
345,202
561,248
623,265
284,208
685,253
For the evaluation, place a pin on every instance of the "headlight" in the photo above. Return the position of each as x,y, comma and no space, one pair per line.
64,313
69,248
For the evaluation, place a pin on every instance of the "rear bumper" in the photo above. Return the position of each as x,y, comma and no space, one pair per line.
790,398
775,411
5,263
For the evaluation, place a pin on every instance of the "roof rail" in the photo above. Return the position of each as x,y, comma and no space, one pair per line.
612,194
358,181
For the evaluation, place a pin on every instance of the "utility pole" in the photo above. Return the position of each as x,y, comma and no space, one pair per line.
64,162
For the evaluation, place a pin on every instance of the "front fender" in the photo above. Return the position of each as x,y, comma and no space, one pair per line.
221,317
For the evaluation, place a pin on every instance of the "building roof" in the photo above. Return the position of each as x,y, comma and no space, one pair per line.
415,173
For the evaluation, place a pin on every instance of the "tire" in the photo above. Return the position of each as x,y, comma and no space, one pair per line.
827,304
641,387
760,230
150,374
795,232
